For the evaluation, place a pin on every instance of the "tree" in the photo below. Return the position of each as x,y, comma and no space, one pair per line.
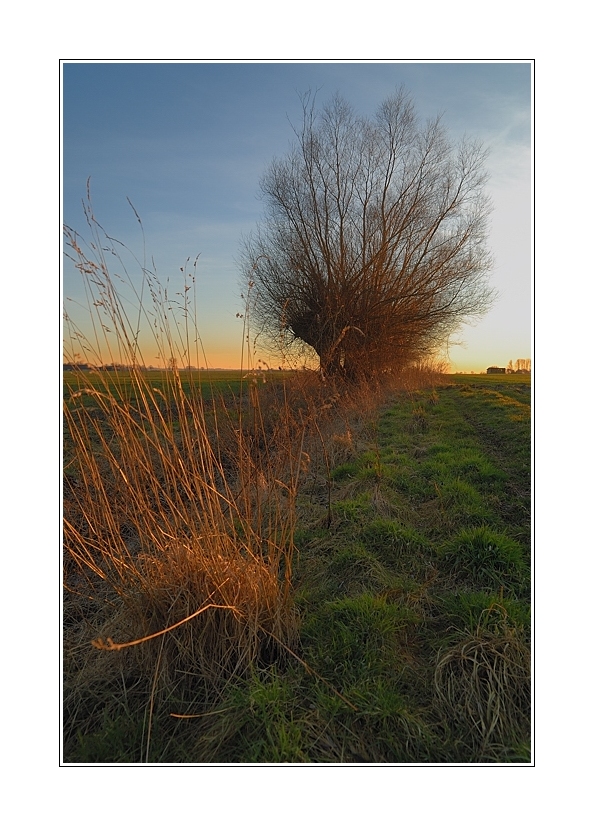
373,249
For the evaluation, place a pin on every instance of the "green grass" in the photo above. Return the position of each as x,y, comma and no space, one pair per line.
230,384
471,609
442,505
486,558
413,603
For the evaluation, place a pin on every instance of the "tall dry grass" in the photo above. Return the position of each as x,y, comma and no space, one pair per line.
178,516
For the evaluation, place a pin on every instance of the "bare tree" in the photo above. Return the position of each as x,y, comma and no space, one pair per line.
373,249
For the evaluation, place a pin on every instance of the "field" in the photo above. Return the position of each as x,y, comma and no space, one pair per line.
227,383
396,627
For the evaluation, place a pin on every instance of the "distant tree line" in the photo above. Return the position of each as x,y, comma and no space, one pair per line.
76,365
81,365
521,366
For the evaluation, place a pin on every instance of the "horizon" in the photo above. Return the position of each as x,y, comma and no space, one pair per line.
248,370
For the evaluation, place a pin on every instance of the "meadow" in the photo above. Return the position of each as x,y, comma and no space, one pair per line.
282,571
121,383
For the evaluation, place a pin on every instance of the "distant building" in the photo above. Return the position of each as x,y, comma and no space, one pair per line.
496,369
75,366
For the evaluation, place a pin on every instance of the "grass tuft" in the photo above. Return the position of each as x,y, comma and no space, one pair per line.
482,683
487,558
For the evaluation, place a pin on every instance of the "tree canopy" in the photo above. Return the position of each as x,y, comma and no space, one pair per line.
373,247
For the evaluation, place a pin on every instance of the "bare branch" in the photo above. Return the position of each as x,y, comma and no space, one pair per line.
374,247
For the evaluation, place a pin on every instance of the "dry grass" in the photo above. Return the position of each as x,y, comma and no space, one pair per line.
149,508
178,519
483,683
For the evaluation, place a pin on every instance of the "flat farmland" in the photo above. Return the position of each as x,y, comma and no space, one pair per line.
121,383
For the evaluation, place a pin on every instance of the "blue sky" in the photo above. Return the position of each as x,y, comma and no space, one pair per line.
188,143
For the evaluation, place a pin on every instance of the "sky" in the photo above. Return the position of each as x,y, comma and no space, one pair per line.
187,144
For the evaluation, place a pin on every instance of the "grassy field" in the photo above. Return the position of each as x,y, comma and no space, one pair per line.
228,383
409,590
